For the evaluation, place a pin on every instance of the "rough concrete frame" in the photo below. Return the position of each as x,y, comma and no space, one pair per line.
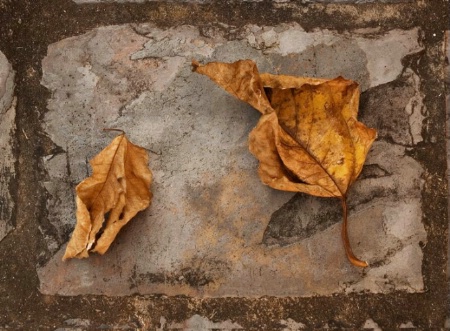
31,25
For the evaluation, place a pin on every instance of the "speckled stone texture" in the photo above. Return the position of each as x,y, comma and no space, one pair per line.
213,229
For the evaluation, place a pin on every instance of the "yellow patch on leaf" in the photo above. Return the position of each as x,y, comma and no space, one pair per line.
117,190
308,138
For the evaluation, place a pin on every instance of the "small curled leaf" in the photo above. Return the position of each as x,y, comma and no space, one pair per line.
117,190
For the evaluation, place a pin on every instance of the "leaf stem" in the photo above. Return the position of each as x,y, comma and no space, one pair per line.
348,250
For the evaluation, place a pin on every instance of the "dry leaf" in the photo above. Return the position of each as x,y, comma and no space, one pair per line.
308,138
117,190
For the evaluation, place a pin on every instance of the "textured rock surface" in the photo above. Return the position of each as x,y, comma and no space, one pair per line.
213,229
7,159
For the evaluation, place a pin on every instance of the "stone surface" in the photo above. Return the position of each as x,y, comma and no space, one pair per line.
213,229
198,322
7,159
371,325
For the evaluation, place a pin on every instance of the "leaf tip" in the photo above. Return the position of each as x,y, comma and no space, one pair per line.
114,129
195,65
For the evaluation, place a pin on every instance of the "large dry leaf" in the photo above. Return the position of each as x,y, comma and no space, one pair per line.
117,190
308,138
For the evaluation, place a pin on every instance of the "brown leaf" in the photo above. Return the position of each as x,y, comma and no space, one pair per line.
117,190
308,140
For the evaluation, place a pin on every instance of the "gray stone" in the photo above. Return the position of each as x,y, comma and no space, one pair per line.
403,110
77,322
291,325
6,84
371,325
7,161
209,229
408,325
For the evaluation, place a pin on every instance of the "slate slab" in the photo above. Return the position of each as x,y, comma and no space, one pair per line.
213,229
7,159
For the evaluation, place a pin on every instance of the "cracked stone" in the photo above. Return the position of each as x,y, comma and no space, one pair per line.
8,159
213,229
